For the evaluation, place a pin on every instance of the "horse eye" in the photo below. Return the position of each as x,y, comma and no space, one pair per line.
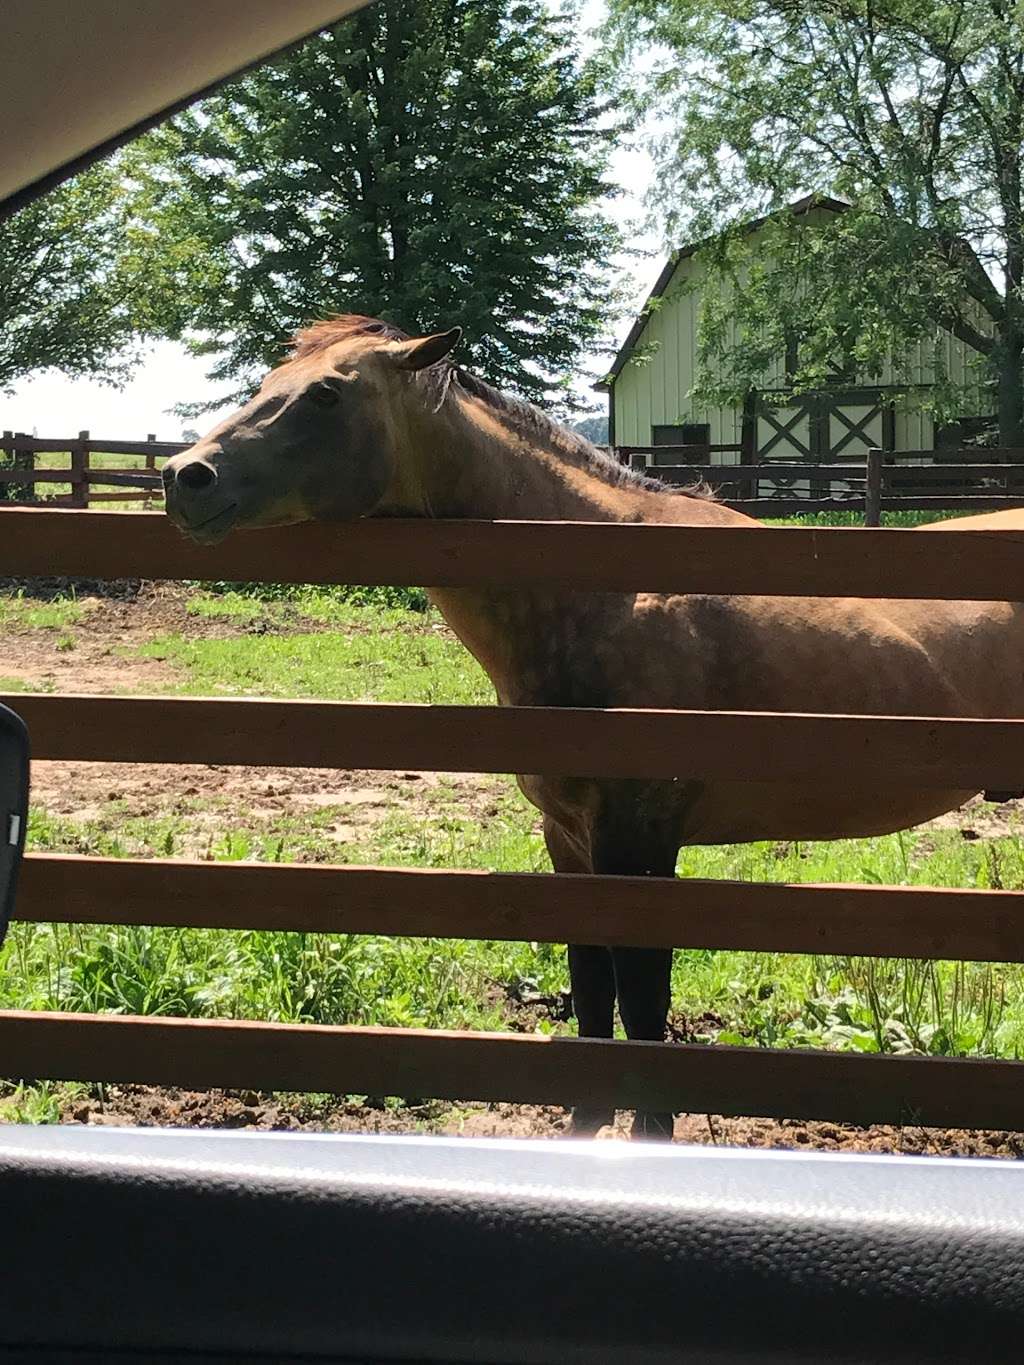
322,395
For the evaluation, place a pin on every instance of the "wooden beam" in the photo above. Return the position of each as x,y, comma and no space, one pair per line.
950,471
738,746
651,912
873,490
977,565
126,478
50,445
952,503
124,496
792,506
984,453
35,476
711,447
520,1068
716,474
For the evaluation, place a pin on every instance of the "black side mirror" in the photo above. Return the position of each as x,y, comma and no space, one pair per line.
13,808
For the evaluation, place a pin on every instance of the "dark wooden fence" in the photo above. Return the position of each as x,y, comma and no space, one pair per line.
22,479
873,920
907,480
911,480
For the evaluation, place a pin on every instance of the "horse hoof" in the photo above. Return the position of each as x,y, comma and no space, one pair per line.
587,1123
653,1128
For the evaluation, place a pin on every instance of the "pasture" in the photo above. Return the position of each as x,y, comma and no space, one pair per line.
384,645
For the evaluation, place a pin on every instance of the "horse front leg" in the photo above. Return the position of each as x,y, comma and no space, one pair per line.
625,847
591,981
643,982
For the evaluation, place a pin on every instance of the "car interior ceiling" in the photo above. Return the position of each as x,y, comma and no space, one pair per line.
79,77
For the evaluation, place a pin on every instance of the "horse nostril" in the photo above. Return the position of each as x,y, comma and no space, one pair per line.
196,475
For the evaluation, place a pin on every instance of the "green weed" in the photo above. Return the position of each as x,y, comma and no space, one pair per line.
17,610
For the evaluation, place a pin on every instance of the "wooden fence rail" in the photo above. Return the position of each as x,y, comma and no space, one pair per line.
743,746
583,556
881,484
643,912
873,920
522,1068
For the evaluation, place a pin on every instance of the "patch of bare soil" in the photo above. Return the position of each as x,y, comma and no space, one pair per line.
148,1107
979,820
95,653
86,791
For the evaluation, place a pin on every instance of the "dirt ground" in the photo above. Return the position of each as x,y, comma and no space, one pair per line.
148,1107
131,614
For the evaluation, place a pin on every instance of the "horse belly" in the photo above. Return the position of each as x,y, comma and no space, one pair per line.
735,813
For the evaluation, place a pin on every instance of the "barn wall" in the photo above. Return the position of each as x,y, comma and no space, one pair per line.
654,388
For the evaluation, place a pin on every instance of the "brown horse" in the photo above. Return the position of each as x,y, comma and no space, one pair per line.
363,420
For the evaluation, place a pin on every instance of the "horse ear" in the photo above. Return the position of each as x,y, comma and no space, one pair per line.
420,352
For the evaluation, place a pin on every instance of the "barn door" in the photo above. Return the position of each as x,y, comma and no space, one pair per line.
820,429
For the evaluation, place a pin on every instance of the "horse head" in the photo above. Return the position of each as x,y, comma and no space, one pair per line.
321,439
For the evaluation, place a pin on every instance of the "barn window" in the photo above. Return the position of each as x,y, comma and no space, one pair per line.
683,434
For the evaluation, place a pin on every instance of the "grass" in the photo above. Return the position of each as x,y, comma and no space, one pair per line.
905,520
20,685
384,654
27,613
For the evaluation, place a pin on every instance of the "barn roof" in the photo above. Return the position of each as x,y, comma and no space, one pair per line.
809,201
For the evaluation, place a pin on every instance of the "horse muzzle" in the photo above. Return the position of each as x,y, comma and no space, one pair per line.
196,500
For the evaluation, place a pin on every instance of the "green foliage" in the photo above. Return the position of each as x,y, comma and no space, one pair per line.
430,163
304,598
594,428
913,113
65,296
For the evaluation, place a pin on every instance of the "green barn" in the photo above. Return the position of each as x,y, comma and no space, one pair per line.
650,382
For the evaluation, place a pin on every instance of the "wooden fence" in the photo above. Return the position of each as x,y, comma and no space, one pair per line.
907,480
913,480
870,920
21,480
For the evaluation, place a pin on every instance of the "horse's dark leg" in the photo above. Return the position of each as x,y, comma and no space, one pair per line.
591,978
643,984
627,848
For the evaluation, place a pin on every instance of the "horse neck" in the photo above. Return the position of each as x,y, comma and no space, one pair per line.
470,460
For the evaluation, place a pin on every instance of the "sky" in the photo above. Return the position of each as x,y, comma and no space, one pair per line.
48,404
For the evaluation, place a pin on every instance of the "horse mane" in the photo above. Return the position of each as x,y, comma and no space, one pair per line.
531,420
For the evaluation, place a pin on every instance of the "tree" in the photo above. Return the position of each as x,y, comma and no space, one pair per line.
428,161
594,428
64,298
913,111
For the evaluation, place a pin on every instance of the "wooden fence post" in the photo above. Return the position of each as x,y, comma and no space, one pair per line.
873,488
7,453
23,460
80,471
150,464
